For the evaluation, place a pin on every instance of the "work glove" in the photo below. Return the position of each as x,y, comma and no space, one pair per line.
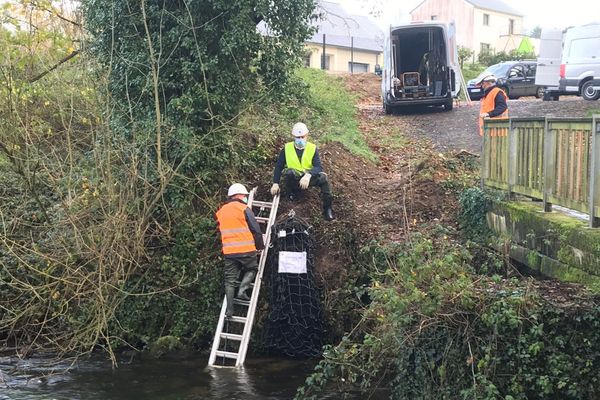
305,181
275,189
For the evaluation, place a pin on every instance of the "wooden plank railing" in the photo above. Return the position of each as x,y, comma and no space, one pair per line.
554,160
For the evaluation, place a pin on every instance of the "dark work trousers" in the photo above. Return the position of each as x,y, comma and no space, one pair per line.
233,267
291,181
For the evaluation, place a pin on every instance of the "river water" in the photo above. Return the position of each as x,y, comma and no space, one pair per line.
181,379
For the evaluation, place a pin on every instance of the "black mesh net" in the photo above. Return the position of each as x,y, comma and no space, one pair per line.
294,325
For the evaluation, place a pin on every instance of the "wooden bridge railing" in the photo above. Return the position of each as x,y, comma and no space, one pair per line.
556,160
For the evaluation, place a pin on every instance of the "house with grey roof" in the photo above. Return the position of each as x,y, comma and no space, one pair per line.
481,25
352,42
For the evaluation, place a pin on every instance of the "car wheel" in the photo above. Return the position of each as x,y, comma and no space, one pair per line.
507,92
588,92
539,92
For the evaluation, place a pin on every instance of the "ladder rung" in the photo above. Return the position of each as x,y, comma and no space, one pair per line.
231,336
226,354
262,204
238,319
241,302
262,219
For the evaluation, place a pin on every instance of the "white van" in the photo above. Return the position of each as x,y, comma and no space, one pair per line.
548,63
581,61
421,66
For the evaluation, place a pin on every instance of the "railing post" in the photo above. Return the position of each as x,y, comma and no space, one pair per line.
549,165
484,158
512,157
594,182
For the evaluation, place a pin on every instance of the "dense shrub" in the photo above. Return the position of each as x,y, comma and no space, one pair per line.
434,330
114,157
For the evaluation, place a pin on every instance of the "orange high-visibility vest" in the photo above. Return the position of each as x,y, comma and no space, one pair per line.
236,237
487,104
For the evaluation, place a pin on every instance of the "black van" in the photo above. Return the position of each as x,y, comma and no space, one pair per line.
516,78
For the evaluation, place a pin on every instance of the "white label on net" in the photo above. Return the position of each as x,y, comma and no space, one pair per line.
292,262
282,233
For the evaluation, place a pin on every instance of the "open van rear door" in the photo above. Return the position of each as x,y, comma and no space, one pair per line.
548,64
388,67
453,58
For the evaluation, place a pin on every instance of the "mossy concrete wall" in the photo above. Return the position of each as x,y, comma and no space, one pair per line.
555,244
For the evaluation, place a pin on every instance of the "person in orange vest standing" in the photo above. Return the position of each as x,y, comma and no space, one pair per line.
241,237
300,165
493,103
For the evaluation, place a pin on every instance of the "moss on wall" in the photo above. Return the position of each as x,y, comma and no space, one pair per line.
556,244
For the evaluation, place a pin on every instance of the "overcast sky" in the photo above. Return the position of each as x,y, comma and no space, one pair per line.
545,13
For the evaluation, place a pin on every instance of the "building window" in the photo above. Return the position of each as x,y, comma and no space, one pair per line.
484,48
434,17
511,26
327,61
358,67
486,19
307,60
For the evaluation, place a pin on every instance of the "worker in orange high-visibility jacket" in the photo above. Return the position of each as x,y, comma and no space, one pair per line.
300,165
241,237
493,104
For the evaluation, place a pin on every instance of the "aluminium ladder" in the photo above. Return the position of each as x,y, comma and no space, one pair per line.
230,345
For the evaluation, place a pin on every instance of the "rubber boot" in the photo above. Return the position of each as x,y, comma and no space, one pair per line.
229,294
327,210
245,285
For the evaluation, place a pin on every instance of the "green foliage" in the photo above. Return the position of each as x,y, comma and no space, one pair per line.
464,54
491,58
116,162
434,330
474,206
536,32
470,71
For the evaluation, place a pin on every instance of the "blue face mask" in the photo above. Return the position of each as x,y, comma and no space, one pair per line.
245,199
300,143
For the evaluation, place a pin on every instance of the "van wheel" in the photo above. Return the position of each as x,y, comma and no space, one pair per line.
449,105
539,92
387,108
588,92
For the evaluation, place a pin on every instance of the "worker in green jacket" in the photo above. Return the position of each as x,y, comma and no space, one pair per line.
300,165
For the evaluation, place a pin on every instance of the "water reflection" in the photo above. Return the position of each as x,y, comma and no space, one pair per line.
181,379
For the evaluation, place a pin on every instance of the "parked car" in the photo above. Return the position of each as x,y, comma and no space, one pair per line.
516,78
580,61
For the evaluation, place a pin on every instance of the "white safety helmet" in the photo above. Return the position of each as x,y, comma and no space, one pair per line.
236,188
489,78
300,129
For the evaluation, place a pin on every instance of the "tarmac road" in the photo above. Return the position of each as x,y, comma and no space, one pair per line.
458,129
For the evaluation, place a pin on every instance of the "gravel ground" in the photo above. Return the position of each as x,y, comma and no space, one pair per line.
458,129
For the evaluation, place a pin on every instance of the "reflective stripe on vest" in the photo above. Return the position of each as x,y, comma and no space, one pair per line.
488,103
291,157
236,237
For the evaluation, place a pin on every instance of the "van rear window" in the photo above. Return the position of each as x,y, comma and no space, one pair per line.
584,48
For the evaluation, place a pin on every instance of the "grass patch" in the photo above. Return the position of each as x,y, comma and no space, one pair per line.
331,114
593,111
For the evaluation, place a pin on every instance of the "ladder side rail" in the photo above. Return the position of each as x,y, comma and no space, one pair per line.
217,339
257,284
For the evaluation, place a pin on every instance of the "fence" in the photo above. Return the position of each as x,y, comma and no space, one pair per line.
555,160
